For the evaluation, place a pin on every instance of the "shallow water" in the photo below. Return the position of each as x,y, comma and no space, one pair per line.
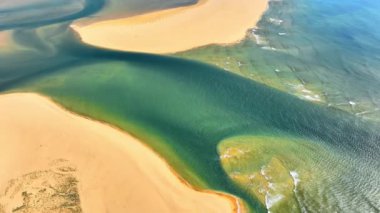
323,51
287,154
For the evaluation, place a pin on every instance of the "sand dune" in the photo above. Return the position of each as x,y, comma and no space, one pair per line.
178,29
112,171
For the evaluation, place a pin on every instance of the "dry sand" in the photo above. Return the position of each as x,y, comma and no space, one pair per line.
178,29
116,172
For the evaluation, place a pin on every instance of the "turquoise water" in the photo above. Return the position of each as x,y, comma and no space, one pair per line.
217,129
326,51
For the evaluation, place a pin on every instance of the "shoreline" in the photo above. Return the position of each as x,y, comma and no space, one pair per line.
121,146
178,29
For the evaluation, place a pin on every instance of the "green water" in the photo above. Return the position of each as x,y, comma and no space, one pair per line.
315,158
184,109
287,173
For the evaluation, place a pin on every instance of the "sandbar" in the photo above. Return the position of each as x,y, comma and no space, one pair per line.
115,171
177,29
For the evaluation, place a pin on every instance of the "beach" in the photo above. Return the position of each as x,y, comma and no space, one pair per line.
111,170
177,29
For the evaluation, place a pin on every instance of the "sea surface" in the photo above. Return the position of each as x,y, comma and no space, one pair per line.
319,50
286,120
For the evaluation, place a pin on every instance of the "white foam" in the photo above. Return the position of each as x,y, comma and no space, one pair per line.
268,48
295,177
270,200
258,39
281,34
296,181
312,98
306,91
271,186
275,21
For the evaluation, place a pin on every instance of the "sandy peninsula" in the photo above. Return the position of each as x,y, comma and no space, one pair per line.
178,29
111,170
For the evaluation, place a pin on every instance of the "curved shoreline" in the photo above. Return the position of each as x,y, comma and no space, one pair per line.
177,29
98,150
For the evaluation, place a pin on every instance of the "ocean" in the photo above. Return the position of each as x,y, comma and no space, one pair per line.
289,124
319,50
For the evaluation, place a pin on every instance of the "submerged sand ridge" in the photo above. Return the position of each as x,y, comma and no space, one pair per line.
112,171
178,29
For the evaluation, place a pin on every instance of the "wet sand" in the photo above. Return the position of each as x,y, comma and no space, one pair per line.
178,29
115,171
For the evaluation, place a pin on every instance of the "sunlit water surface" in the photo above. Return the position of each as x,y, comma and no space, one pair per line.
218,130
